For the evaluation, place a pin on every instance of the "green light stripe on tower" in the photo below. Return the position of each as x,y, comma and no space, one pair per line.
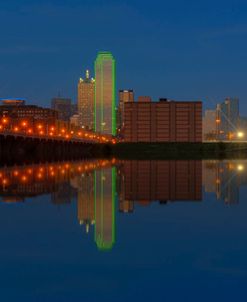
114,196
113,97
95,113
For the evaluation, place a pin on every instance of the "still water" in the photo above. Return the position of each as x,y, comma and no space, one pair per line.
113,230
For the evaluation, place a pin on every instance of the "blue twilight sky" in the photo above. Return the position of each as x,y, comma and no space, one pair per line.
181,49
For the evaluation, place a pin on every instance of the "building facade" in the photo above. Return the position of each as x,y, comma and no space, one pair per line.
28,112
13,102
163,121
105,94
228,118
28,118
209,125
124,96
85,101
63,107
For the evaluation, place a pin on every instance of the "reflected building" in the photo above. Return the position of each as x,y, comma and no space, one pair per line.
124,206
63,194
163,181
105,94
105,198
85,200
96,185
224,179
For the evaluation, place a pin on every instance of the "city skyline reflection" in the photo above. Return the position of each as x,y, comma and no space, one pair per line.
101,188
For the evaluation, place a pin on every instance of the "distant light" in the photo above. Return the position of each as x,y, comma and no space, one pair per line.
240,134
240,167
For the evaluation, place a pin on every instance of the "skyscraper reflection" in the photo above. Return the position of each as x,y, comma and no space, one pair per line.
85,200
105,196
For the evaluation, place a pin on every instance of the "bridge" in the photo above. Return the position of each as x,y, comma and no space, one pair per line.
46,141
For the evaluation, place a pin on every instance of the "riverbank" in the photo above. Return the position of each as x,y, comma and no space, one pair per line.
217,150
24,154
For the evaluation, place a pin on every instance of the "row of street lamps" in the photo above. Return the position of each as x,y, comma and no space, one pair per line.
23,127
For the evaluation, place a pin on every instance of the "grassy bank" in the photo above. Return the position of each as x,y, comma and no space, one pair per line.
179,150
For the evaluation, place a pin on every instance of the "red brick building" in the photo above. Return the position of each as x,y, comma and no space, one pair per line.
163,121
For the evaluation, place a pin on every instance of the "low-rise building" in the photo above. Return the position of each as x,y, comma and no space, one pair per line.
163,121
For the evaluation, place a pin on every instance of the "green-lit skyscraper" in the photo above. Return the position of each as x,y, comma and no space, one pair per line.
105,94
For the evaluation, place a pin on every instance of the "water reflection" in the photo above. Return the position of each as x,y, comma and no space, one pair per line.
101,186
224,178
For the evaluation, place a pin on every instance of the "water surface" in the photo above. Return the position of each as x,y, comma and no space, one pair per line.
113,230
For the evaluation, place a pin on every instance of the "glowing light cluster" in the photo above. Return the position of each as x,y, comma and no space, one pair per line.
25,128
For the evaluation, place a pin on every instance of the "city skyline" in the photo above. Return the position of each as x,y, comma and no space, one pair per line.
210,66
123,150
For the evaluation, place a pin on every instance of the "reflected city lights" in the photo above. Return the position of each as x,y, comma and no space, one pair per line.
102,186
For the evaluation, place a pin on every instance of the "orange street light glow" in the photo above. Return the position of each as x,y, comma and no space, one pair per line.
24,178
5,181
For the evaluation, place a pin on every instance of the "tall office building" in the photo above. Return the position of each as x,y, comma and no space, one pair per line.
105,94
63,107
86,102
124,96
105,195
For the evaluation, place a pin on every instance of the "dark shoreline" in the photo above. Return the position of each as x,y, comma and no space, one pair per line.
180,151
128,151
